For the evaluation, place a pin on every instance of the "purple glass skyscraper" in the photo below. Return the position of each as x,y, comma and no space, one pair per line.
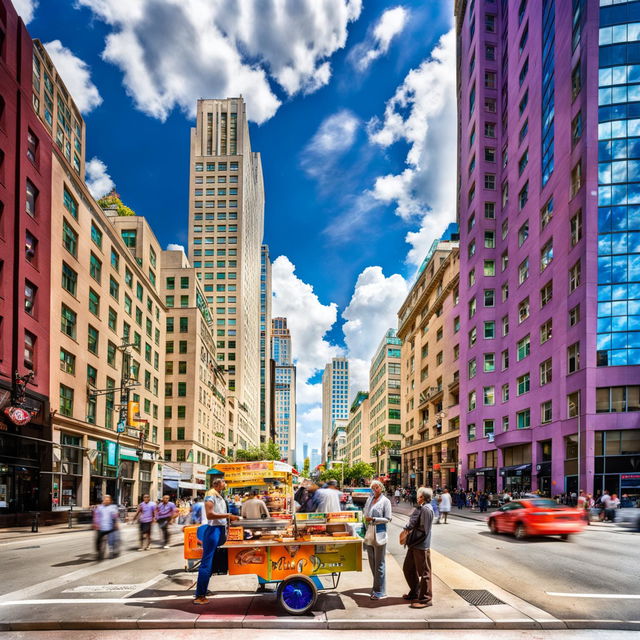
549,214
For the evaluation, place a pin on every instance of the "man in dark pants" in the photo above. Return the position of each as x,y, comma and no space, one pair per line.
214,535
166,513
105,522
417,562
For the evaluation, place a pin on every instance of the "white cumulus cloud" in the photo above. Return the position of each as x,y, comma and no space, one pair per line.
371,311
378,41
26,9
173,52
97,178
175,247
76,75
422,113
335,135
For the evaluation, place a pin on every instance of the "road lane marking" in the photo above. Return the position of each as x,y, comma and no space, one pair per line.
617,596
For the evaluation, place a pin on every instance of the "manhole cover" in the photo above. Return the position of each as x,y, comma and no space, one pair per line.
478,597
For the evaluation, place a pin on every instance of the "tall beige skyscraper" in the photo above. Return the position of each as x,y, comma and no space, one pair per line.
335,395
226,221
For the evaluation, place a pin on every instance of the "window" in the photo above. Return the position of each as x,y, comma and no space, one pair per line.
523,310
92,340
505,229
488,396
472,368
523,233
472,400
490,105
505,392
523,384
523,103
69,279
489,52
489,80
490,155
68,322
490,181
546,255
574,316
546,213
115,260
504,357
574,277
490,129
523,72
111,353
473,336
67,362
576,128
114,288
472,277
94,302
505,193
69,239
523,348
95,268
471,432
573,357
487,426
490,210
523,196
66,401
546,412
96,236
524,130
573,404
70,203
505,326
184,325
576,179
546,293
523,419
523,271
576,80
489,268
505,291
575,226
523,162
489,297
182,389
472,307
490,23
31,203
489,239
489,361
489,330
130,237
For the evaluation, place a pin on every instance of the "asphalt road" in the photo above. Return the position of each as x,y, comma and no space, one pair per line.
601,563
598,561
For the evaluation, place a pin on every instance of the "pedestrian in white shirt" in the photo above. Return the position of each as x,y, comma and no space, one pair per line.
327,500
445,505
254,508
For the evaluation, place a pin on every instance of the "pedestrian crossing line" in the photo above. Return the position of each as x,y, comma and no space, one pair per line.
613,596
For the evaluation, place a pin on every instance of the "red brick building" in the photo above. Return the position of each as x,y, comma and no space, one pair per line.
25,247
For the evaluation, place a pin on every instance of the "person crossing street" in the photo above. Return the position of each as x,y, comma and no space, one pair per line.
166,512
145,516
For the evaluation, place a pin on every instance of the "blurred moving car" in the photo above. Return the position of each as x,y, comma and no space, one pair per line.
536,517
628,517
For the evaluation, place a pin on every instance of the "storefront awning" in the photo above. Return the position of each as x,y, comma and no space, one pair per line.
192,485
515,470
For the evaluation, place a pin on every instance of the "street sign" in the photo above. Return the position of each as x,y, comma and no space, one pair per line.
121,427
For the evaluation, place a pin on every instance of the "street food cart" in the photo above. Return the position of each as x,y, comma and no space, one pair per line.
289,549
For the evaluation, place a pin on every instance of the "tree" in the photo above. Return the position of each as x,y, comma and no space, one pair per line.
380,447
111,200
306,468
264,451
359,473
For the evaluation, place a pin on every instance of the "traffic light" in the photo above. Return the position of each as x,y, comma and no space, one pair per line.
133,414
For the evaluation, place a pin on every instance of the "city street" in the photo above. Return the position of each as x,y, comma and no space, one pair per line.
51,581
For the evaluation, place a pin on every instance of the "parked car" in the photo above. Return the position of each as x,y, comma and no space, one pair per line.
536,517
628,517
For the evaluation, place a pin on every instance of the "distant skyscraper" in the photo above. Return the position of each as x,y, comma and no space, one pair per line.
335,397
315,458
305,451
265,340
285,389
226,219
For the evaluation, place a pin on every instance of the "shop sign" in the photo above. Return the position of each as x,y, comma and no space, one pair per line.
18,415
436,467
111,454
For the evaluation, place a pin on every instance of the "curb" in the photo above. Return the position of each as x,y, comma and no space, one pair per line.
41,533
315,623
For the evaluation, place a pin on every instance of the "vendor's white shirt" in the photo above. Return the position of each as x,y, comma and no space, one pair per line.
219,506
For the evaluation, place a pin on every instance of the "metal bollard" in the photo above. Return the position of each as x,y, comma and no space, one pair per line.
70,517
34,522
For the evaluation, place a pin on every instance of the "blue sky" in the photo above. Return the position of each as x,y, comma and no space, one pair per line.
354,115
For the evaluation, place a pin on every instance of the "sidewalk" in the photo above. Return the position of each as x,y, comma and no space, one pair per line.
167,604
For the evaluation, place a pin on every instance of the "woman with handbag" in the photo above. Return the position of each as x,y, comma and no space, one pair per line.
377,513
417,563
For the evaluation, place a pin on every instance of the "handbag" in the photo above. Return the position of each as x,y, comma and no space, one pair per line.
412,537
370,536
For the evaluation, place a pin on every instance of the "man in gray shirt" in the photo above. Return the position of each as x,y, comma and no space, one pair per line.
417,562
327,500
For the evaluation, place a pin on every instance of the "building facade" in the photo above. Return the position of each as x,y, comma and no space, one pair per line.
226,219
546,206
385,414
284,389
195,413
357,444
335,397
25,247
266,419
429,327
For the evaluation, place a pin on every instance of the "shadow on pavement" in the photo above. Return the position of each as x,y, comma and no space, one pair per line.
364,601
511,539
83,558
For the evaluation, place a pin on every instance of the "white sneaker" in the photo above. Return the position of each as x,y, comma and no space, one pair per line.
166,546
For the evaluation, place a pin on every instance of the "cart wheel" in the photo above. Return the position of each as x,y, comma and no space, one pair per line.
297,594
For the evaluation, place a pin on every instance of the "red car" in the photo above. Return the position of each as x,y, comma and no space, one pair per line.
536,517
